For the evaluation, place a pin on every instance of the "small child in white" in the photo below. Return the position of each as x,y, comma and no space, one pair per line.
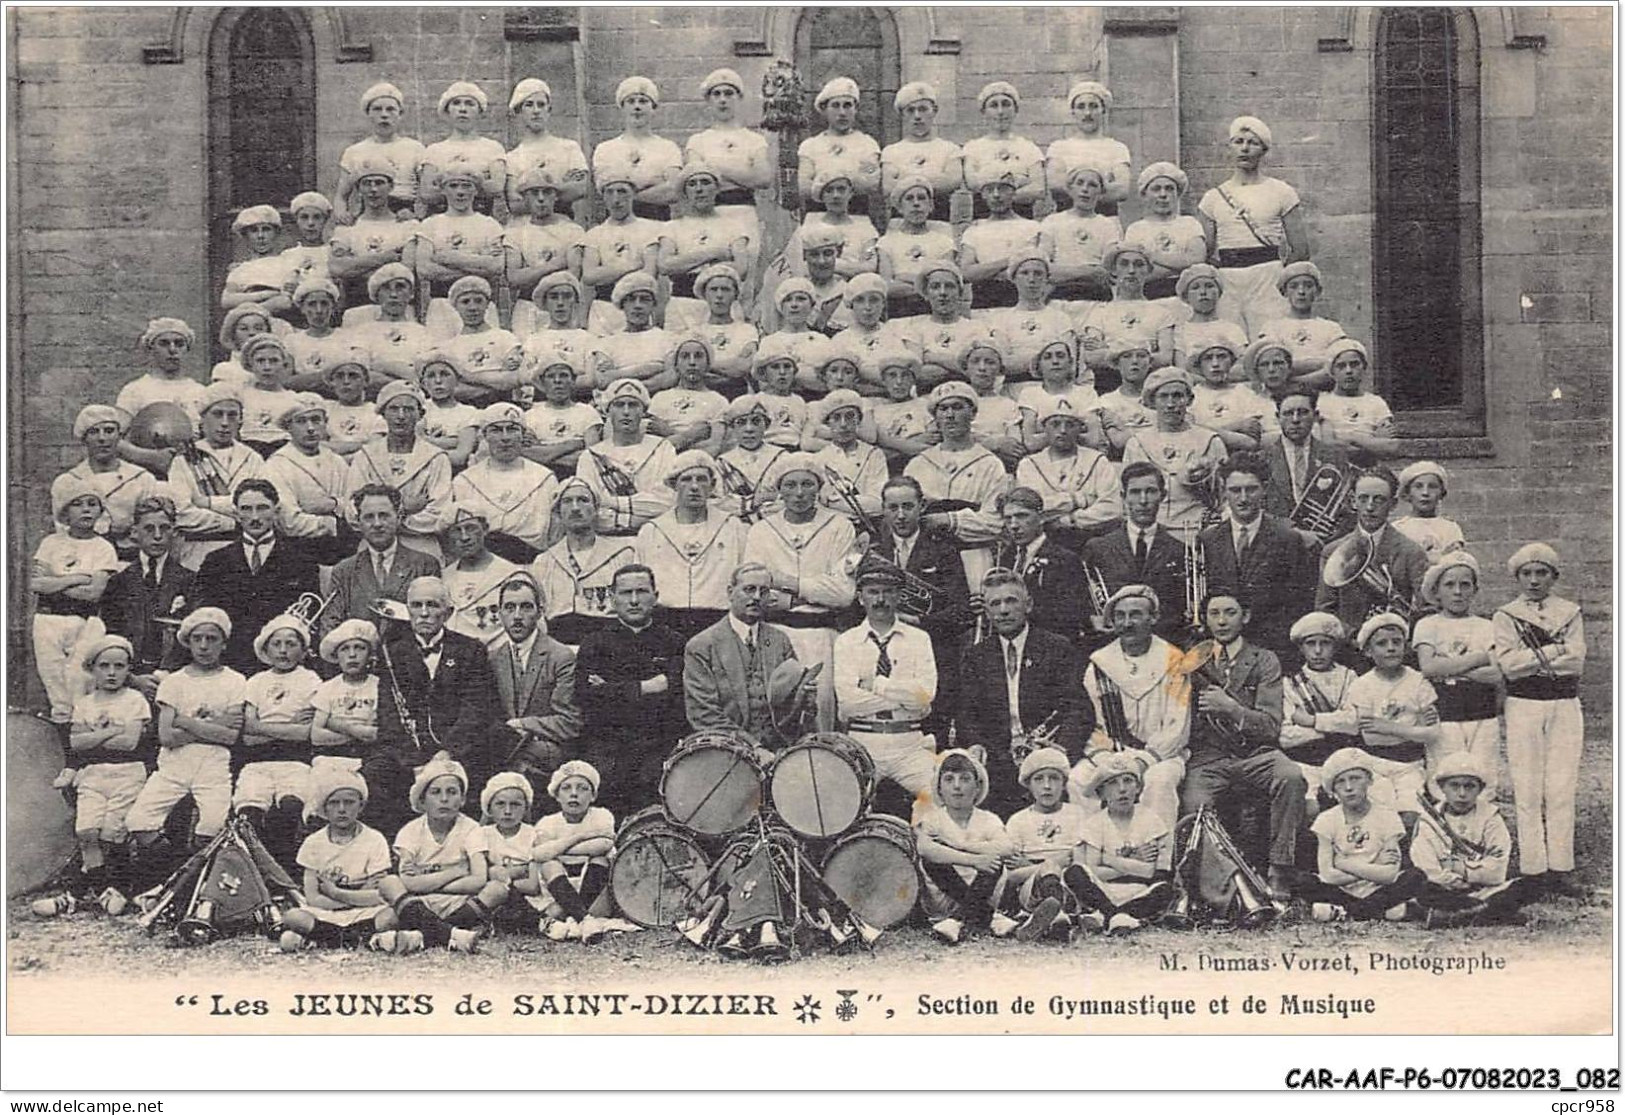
109,760
344,721
1395,710
1462,848
1424,485
343,863
1045,836
505,802
441,890
963,850
1361,867
1124,870
1360,419
277,714
1312,727
68,575
572,855
1456,651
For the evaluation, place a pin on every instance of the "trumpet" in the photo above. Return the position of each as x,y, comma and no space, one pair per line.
617,481
1114,715
308,607
1325,501
1099,594
1355,560
1195,583
848,494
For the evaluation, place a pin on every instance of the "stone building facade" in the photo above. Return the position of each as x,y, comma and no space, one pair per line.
1480,133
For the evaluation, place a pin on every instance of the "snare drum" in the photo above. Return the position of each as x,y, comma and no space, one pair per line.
821,784
656,871
712,782
874,869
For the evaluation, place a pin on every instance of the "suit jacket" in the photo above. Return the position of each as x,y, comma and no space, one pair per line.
1164,571
1254,679
1278,497
129,609
1278,577
935,559
1406,563
629,733
1054,576
224,582
543,696
1051,681
356,587
454,711
714,683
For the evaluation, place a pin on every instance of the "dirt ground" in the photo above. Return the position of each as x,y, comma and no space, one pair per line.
87,943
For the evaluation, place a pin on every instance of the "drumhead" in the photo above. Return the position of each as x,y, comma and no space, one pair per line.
872,869
656,872
39,823
712,790
817,791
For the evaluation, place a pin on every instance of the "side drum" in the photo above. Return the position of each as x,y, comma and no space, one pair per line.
656,871
821,784
712,782
39,823
875,870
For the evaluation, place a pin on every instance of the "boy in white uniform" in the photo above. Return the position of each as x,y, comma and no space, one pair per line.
628,457
342,863
1079,484
344,720
840,151
540,247
963,850
1310,731
1200,287
1462,847
559,427
411,465
382,104
860,466
505,802
1046,834
540,151
68,575
1305,335
1456,652
120,484
277,714
1123,875
1424,485
571,851
1362,873
515,496
1540,647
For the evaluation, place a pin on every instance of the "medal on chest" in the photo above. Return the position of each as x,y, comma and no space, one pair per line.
397,465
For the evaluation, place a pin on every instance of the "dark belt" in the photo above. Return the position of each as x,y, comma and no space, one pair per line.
884,727
1544,689
105,758
1161,288
737,197
1466,700
806,621
682,286
1248,257
61,604
651,211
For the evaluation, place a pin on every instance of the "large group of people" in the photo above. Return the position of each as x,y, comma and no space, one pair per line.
1074,528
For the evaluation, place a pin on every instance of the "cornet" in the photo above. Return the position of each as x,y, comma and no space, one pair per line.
1099,595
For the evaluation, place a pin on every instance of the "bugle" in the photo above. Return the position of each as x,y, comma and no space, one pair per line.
1213,872
1099,594
1195,584
1113,714
1025,743
1535,638
737,484
1325,502
617,481
847,492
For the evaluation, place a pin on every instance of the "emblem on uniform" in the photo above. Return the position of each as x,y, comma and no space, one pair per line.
1004,156
719,341
919,160
456,240
547,255
637,157
727,145
1131,320
837,148
478,357
275,695
1169,452
1030,325
394,336
1303,336
916,252
1219,410
1165,242
944,340
621,249
703,238
397,466
314,361
69,562
375,243
1357,838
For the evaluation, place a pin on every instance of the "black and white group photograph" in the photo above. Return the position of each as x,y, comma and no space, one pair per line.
988,499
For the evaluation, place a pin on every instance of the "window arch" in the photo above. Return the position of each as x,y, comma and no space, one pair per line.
262,122
1426,234
860,43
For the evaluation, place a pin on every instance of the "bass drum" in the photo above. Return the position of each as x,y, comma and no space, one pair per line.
39,823
657,870
821,784
875,870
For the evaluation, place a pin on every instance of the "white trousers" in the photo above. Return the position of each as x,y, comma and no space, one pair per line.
60,646
1250,298
1479,738
907,758
202,770
1544,739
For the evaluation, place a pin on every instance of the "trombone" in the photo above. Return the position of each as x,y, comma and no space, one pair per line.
1325,501
1355,560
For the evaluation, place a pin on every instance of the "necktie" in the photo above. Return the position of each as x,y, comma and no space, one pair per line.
902,555
152,576
753,653
254,558
1012,660
1300,468
883,663
379,573
1139,550
1021,560
1244,544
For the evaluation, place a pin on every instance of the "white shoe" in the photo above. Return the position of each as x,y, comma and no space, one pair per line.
56,906
383,942
948,930
572,929
591,929
464,940
1123,923
112,902
1003,925
618,925
1394,913
290,941
1092,922
1325,911
408,941
554,929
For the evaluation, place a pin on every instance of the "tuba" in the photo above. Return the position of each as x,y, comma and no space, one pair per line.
1354,559
1325,501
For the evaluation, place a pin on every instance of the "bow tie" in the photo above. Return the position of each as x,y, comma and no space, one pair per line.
427,649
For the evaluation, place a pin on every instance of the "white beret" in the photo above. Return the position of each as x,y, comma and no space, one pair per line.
1163,170
159,326
914,91
310,199
744,405
688,460
1108,258
200,616
1317,623
1091,89
441,766
1161,378
388,273
537,178
555,279
1534,552
311,284
280,623
1086,167
1192,273
1461,764
626,388
68,487
934,267
1455,559
909,182
256,215
952,389
711,272
821,236
1422,468
1028,253
502,412
374,166
264,340
463,89
696,168
795,284
1340,762
467,283
397,389
865,283
575,483
1293,270
527,89
635,85
836,87
1056,406
1194,357
460,170
303,402
1346,344
575,768
381,89
1132,592
329,779
1253,124
217,393
993,88
97,414
1377,623
1108,765
422,362
976,765
838,399
103,645
800,462
1045,758
504,780
722,77
631,282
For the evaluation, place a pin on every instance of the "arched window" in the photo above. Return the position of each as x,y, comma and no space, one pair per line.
859,43
262,121
1426,250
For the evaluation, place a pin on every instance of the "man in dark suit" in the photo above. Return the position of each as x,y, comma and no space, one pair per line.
1236,733
1141,553
1297,455
1052,572
536,690
1020,666
435,693
728,667
1261,558
934,558
629,680
381,568
1392,555
258,575
153,585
